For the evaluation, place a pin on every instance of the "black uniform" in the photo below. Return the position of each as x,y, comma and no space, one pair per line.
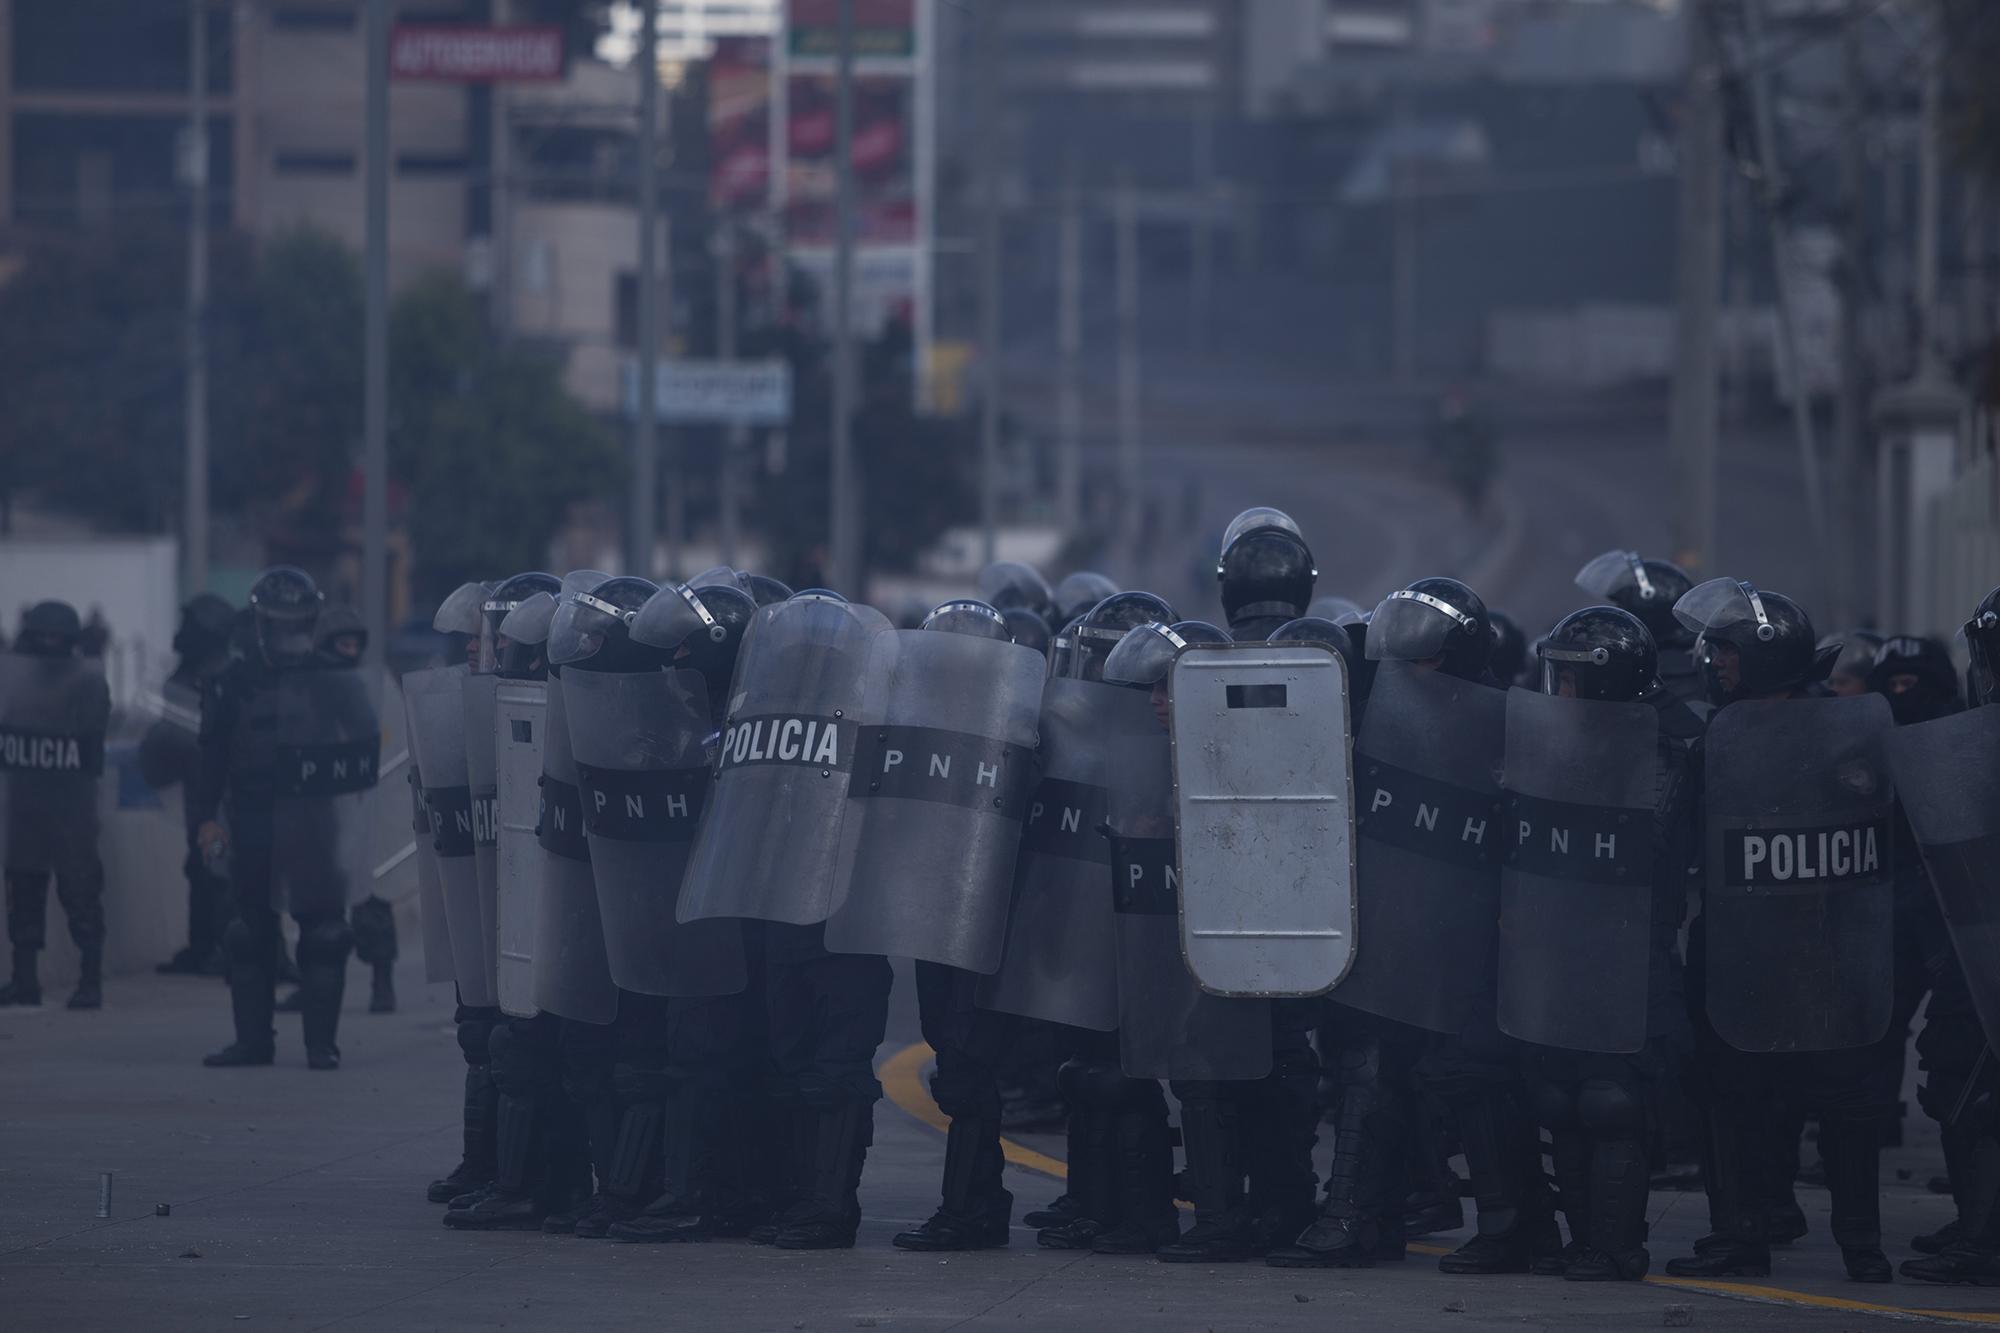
168,754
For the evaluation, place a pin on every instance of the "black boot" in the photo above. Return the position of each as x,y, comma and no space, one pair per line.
1211,1136
1739,1205
623,1150
1974,1263
796,1138
511,1205
1570,1152
976,1208
1432,1203
89,993
382,989
1852,1152
831,1213
323,950
1368,1141
682,1209
26,987
250,1005
1090,1204
475,1168
1619,1180
1144,1180
1503,1153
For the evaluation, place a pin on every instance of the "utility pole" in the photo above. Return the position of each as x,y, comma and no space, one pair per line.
989,292
1403,270
1757,60
1128,369
1929,170
499,199
645,431
725,349
375,355
844,563
1069,389
1851,395
1694,423
194,513
1202,280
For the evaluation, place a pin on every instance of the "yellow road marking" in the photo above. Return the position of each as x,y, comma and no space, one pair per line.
902,1080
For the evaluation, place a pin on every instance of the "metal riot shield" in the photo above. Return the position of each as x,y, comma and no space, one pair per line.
1948,779
434,699
1576,890
53,716
1060,962
572,973
329,752
439,965
483,786
942,776
1428,839
1168,1026
520,712
642,763
1801,868
1264,804
769,846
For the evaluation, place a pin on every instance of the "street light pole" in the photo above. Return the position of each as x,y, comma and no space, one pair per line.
375,337
844,562
645,444
194,514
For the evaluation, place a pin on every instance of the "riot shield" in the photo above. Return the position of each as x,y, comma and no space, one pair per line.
434,699
1060,962
572,974
53,716
769,846
942,777
1428,839
483,786
439,965
639,741
1168,1026
329,751
520,709
1948,777
1264,799
1576,890
1801,867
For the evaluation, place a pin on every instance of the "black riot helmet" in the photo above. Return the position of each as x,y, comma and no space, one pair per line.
762,588
1917,676
286,603
816,595
49,629
524,639
1600,652
504,597
592,630
342,637
1510,647
1751,644
205,624
1647,588
1062,649
1854,660
1433,620
1317,629
1078,593
1106,623
1007,584
1265,568
1146,654
1341,611
967,615
700,629
1027,629
1982,650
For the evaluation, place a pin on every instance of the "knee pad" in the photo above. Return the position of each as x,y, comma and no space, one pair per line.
969,1097
374,931
1094,1083
520,1065
1604,1106
325,942
475,1036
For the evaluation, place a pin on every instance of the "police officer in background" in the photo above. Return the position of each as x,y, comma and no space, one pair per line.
343,640
1649,589
168,755
53,712
258,718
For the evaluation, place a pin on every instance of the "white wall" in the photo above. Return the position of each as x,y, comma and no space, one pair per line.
135,581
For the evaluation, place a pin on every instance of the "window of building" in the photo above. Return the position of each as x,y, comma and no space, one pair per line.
316,18
309,163
431,164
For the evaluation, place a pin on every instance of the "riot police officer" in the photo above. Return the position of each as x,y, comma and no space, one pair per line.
343,641
1265,572
1597,994
1649,589
168,755
53,712
1782,1012
282,741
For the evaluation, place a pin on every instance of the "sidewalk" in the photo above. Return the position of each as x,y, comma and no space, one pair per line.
296,1202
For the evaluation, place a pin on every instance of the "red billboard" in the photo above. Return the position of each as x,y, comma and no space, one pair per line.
462,53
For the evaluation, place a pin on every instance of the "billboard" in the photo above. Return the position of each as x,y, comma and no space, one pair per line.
464,53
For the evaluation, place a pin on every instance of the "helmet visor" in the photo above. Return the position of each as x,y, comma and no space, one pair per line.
1614,572
579,628
528,622
1010,583
1256,519
1721,604
720,576
674,615
459,613
1413,626
1143,656
1339,610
